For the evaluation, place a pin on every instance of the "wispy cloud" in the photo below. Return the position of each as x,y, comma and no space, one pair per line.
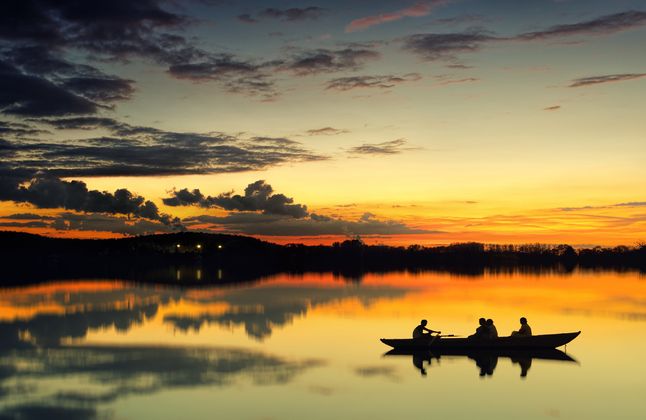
552,108
626,204
608,78
326,131
445,46
599,26
324,60
371,82
419,9
392,147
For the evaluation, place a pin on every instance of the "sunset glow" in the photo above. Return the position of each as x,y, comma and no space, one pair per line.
425,122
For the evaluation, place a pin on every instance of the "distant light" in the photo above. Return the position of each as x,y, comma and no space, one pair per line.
219,246
199,246
178,245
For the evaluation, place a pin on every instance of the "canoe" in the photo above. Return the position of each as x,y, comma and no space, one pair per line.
544,341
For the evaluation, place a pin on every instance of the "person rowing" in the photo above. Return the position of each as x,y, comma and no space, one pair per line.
421,330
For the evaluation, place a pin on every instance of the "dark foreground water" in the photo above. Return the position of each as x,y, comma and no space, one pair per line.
295,347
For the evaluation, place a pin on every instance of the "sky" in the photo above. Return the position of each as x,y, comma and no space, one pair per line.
401,122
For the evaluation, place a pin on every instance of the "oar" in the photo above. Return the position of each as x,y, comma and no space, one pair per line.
450,335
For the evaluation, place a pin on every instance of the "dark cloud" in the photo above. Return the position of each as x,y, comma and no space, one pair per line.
392,147
235,75
602,25
137,150
446,46
552,108
26,95
117,30
258,197
314,225
329,61
101,89
16,129
293,14
94,222
47,191
374,82
35,82
607,78
326,131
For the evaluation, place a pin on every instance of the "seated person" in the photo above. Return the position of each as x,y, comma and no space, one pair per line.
493,331
524,331
418,332
482,331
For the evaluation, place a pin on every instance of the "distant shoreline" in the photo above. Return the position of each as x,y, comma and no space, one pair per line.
191,257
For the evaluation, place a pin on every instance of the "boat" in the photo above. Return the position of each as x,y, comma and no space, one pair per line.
543,341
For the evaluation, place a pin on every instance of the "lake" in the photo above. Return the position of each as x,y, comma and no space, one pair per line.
307,346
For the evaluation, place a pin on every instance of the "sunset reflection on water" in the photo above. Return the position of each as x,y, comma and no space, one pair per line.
311,342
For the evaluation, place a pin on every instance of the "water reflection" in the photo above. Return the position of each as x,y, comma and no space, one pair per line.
258,309
485,360
261,309
104,374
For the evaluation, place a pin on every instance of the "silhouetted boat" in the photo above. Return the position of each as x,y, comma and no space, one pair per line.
544,341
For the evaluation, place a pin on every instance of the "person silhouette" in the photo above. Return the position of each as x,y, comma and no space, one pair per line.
524,331
482,331
493,331
419,331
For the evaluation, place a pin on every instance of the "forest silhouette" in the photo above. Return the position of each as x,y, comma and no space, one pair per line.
190,257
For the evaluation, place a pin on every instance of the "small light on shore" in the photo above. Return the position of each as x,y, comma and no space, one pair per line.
219,246
178,245
199,246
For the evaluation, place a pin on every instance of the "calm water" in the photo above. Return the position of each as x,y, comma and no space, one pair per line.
308,346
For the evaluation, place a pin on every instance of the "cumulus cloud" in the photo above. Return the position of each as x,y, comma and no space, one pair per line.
328,61
607,78
421,8
45,191
370,82
392,147
260,211
258,197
